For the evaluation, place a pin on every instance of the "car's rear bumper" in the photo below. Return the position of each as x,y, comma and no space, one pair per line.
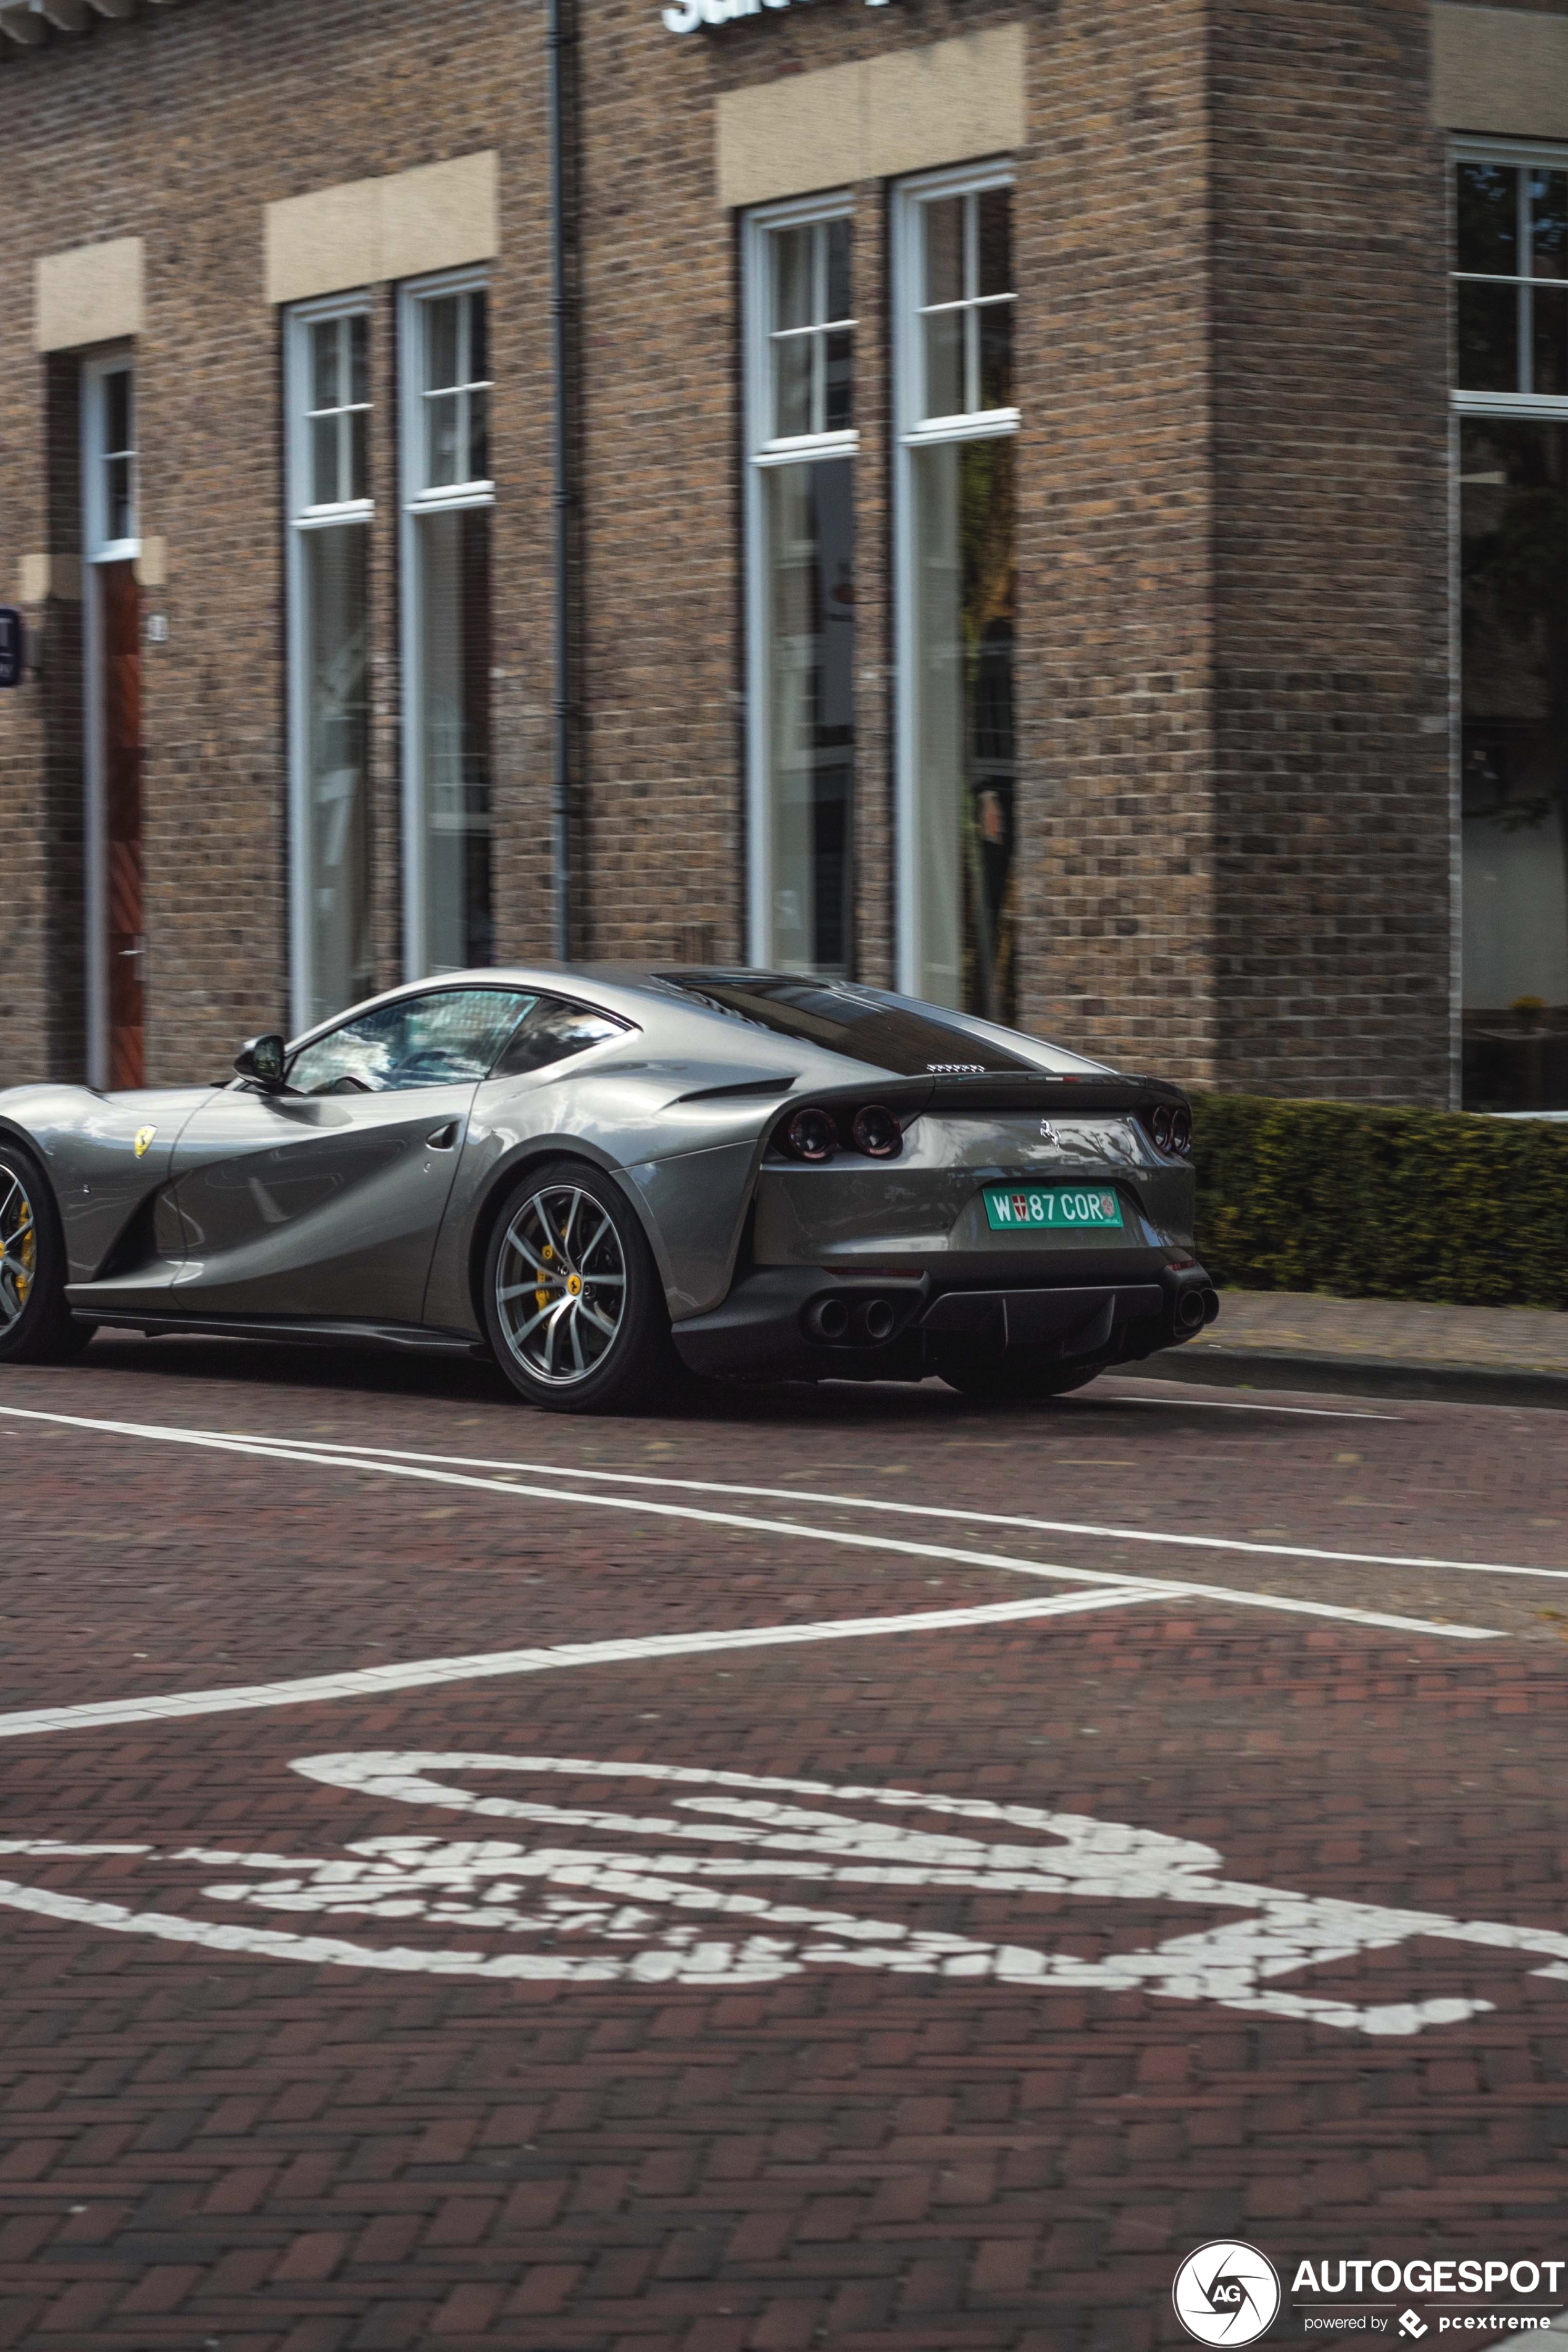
794,1322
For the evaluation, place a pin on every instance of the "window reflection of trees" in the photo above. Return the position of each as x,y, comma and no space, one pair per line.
987,618
1514,609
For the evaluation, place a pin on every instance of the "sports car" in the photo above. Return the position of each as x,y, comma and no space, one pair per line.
601,1176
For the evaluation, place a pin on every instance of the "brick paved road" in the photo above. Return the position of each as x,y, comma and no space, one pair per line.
786,2066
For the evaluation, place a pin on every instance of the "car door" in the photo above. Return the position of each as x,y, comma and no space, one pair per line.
325,1200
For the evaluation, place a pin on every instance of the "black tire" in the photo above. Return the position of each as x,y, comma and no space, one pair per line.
36,1324
1015,1379
550,1339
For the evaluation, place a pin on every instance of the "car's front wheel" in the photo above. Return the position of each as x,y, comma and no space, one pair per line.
36,1324
572,1297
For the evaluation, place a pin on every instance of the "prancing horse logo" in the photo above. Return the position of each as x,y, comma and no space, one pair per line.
143,1137
1048,1132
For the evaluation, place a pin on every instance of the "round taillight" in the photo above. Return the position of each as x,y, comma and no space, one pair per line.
1181,1131
876,1132
811,1135
1160,1128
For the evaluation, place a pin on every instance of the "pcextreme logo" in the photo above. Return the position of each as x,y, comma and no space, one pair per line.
1226,2292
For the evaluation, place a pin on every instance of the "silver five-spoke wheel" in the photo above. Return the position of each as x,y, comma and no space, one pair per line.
18,1247
560,1285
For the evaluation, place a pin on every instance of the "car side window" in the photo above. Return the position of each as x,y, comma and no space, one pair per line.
552,1031
446,1038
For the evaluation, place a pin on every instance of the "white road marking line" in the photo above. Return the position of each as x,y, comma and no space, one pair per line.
281,1450
419,1673
1162,1537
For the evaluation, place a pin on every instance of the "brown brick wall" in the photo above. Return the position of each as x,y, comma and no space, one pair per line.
1115,583
1331,545
1234,823
179,126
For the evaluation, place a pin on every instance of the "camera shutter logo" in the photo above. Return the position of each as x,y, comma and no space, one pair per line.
1226,2292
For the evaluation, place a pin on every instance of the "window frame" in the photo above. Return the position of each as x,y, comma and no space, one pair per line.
97,367
96,454
1522,155
418,497
300,514
912,432
763,449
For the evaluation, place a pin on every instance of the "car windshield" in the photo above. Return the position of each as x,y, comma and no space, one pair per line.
889,1032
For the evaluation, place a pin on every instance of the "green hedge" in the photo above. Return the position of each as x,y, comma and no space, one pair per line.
1382,1203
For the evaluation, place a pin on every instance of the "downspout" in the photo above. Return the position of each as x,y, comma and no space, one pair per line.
556,36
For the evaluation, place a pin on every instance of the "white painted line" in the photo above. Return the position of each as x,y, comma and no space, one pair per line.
880,1503
420,1673
280,1450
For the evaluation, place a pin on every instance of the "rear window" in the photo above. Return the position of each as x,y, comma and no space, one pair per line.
911,1041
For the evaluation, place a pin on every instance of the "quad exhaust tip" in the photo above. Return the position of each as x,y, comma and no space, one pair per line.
868,1321
829,1319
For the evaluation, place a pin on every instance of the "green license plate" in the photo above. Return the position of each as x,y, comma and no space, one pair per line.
1055,1207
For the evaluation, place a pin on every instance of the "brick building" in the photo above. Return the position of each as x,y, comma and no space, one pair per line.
1063,510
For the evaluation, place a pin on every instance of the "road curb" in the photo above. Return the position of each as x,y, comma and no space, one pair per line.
1210,1365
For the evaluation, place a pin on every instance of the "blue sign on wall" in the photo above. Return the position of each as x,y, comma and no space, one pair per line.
10,646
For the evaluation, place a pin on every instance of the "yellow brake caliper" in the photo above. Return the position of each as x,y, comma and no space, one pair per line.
26,1257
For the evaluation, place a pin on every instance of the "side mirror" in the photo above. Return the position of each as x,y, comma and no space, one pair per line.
262,1059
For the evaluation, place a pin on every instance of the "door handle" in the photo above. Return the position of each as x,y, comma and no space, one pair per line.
443,1137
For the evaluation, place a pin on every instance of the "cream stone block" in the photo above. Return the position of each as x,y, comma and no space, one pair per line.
944,103
908,112
321,243
441,215
437,217
39,577
1499,71
152,563
89,294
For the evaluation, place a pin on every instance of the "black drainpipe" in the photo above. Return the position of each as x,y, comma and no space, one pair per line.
557,37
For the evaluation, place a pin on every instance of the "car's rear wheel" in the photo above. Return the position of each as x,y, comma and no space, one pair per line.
1018,1377
572,1297
36,1324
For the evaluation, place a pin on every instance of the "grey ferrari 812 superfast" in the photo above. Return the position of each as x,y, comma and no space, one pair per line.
602,1175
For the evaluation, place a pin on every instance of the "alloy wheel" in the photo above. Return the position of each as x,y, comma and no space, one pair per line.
560,1285
18,1247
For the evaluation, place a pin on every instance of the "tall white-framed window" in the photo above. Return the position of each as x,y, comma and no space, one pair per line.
447,496
327,392
115,934
1510,432
956,423
801,441
109,453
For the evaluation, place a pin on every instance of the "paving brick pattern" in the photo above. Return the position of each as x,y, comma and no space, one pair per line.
202,2147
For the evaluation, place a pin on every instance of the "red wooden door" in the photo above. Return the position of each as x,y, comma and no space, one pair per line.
121,705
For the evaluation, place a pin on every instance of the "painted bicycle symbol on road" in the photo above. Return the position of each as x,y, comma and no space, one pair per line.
728,1878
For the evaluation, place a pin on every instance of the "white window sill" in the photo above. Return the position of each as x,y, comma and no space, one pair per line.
984,424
